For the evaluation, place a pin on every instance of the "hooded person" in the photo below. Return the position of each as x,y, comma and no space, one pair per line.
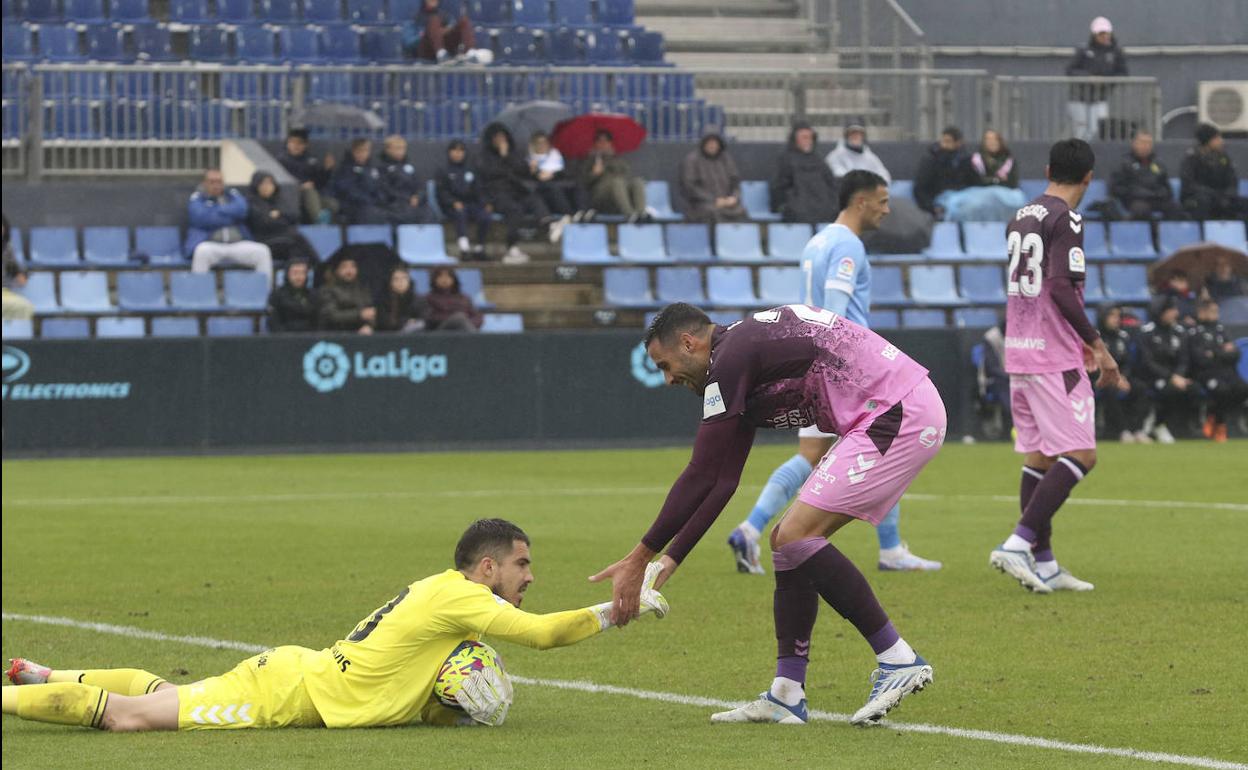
400,309
1210,184
272,224
292,306
447,307
356,185
710,183
508,186
1101,57
853,154
804,189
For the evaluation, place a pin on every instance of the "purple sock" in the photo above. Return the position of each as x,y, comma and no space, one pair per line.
796,605
1027,486
1036,523
841,585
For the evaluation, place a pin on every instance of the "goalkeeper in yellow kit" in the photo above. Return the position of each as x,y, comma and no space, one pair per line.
382,674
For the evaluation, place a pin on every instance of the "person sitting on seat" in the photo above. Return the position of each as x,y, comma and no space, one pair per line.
710,183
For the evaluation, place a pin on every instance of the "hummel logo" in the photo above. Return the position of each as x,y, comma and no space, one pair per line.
865,464
859,475
1082,408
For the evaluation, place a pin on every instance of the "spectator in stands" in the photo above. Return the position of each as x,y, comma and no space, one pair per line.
346,304
15,305
804,189
356,185
510,189
1223,283
273,226
1126,405
710,183
561,192
312,175
609,178
1178,288
434,36
853,154
400,308
402,188
1164,362
1101,57
292,306
459,197
1214,359
217,230
449,309
992,193
942,169
1210,185
1141,186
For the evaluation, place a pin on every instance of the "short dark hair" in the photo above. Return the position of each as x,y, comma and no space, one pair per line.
602,132
360,142
953,132
1070,160
297,133
487,537
856,181
1206,303
1205,133
456,144
539,135
672,320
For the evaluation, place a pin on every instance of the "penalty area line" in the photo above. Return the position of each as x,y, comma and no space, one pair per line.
678,699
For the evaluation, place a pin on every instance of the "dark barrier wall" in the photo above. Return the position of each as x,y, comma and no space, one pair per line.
346,391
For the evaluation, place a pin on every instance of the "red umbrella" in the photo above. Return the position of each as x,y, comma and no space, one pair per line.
575,136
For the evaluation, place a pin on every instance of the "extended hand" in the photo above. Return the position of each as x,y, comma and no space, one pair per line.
626,577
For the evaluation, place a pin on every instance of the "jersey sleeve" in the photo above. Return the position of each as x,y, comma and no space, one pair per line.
469,608
844,265
728,385
1065,243
555,629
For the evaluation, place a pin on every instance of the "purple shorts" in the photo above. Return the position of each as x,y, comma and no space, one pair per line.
1054,412
865,473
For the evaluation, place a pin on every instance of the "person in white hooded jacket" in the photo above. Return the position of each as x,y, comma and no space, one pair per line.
853,154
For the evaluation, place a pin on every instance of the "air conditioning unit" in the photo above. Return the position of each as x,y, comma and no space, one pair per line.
1224,103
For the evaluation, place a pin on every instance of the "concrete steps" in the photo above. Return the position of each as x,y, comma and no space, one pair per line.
731,33
781,8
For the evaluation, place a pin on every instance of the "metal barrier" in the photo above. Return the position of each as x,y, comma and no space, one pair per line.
15,120
1091,108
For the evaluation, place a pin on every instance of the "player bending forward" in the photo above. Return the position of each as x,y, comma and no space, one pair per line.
1049,344
382,674
788,367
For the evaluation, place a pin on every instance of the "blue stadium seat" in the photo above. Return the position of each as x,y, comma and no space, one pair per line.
1093,292
688,243
210,44
53,246
141,291
983,284
604,46
299,44
516,46
738,240
974,318
245,290
85,291
161,245
922,318
627,287
730,287
616,12
59,43
193,291
281,11
118,327
642,243
190,12
490,11
779,285
659,198
472,284
65,329
18,329
883,319
530,13
946,242
340,44
384,46
372,12
18,43
128,10
106,245
724,317
229,326
586,243
984,240
502,323
85,11
679,284
573,12
1098,191
901,189
1235,311
645,48
256,44
566,46
787,241
422,245
175,326
1227,233
1130,240
106,43
326,239
236,11
757,201
40,289
1095,244
1126,283
42,10
1033,188
370,234
18,243
322,11
1172,236
887,287
933,285
152,43
420,280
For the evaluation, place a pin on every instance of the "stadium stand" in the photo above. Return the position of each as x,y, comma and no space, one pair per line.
730,287
119,327
738,241
679,284
688,242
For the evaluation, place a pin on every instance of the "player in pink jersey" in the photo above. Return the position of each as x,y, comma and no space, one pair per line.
792,367
1049,347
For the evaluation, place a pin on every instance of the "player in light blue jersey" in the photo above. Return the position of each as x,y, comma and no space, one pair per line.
837,278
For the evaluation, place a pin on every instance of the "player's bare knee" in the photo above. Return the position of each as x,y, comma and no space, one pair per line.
1085,457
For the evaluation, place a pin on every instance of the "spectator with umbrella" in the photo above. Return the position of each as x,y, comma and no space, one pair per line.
599,139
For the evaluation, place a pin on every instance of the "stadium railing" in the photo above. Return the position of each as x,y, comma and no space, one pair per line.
1036,107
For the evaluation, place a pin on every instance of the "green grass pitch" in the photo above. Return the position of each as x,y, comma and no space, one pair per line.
296,549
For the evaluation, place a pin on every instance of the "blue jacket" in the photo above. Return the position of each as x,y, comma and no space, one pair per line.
207,215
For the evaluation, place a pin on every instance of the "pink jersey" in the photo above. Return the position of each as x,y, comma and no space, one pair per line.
797,365
1045,246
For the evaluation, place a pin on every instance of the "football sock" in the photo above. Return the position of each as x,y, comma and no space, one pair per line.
64,703
1049,495
889,530
900,654
785,482
1046,569
787,691
1017,542
842,586
796,605
123,681
1027,486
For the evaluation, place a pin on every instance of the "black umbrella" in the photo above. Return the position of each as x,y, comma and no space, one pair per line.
523,120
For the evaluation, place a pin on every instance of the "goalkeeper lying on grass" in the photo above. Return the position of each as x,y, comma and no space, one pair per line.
382,674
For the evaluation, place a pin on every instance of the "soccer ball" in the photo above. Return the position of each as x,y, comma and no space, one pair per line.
468,657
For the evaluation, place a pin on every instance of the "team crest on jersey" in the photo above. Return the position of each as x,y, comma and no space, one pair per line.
1077,261
845,270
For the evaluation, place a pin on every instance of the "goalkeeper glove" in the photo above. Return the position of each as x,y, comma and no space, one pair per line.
486,695
651,600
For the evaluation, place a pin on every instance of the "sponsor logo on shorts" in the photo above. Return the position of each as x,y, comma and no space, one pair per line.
712,401
1077,262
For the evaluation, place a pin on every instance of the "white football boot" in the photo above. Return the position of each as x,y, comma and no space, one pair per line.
1064,581
765,709
900,559
889,684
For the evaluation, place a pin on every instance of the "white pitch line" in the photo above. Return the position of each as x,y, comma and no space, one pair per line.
683,700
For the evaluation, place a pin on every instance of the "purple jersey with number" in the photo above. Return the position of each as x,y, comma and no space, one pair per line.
797,365
1045,246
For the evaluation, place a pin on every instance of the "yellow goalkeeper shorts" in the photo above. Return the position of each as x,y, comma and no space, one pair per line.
264,691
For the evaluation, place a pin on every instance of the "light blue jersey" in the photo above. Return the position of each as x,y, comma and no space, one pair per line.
837,276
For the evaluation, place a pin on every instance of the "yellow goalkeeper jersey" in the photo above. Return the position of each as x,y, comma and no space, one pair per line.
383,672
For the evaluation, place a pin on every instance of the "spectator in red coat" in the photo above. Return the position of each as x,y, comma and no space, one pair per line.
449,309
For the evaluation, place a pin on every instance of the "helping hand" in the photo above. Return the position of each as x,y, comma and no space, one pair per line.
626,577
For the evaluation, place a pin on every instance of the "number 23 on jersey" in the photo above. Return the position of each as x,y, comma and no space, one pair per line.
1026,264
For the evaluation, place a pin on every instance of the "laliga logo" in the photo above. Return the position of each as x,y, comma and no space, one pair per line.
15,363
326,366
644,370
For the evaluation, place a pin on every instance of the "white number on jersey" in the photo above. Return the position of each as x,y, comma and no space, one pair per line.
1026,281
806,313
